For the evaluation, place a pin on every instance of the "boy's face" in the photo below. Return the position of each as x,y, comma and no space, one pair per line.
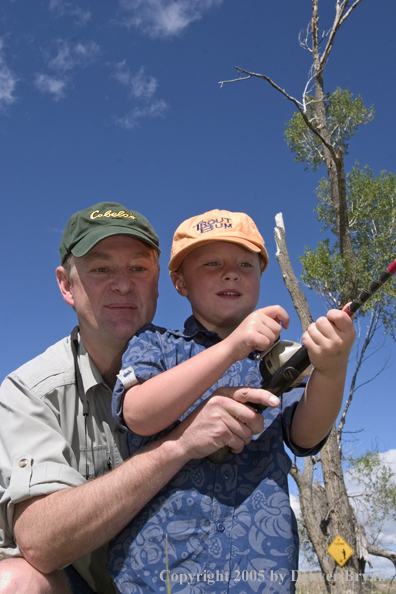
222,281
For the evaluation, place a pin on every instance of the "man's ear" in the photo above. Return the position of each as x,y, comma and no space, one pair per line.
179,284
65,285
158,275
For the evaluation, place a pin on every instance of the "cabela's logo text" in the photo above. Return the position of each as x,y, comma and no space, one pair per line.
110,214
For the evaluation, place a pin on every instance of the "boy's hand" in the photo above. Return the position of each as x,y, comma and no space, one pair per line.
257,331
329,341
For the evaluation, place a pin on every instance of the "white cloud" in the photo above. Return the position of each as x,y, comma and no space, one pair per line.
140,85
390,458
8,81
71,55
62,8
143,86
51,84
164,18
154,110
295,505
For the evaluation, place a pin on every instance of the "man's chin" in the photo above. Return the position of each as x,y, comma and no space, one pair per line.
124,328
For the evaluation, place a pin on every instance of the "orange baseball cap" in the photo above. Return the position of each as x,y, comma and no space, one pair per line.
216,225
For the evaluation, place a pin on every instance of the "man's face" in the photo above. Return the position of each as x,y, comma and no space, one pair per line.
222,281
114,289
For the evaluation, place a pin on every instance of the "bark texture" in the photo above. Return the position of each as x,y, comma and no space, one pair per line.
326,510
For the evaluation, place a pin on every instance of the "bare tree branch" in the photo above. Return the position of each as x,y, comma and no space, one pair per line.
300,302
349,11
361,358
297,103
339,19
304,41
379,552
223,82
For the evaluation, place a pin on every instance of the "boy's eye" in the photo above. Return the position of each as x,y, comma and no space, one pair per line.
246,264
214,263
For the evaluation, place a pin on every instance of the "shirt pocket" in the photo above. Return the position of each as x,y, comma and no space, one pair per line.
94,461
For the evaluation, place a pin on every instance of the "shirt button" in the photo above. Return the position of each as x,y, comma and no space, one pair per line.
23,463
226,476
220,527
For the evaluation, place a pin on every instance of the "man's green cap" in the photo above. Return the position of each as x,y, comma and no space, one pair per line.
87,227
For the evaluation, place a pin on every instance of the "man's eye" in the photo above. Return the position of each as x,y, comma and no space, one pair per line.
101,269
138,268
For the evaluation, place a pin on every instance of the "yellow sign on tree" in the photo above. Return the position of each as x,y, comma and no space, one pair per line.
340,551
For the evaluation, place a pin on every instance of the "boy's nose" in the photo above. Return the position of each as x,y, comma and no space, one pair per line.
231,273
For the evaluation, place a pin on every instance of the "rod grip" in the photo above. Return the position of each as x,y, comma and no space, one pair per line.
277,384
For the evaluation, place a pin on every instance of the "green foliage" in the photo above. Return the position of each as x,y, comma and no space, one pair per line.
343,116
301,141
323,272
371,203
375,498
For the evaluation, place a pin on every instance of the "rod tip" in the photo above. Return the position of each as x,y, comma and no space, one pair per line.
392,267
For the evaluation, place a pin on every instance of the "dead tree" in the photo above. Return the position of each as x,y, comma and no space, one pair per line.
326,510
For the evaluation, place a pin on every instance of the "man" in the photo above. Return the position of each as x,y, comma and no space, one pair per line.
60,505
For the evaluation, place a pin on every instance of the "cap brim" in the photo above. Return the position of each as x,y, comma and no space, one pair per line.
91,239
252,247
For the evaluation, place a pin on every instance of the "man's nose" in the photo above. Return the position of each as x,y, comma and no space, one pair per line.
121,282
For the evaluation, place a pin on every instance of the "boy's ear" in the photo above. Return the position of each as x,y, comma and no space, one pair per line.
179,284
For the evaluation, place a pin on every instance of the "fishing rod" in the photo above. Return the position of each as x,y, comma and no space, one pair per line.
287,374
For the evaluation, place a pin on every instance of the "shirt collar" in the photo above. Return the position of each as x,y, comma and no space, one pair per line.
89,372
192,329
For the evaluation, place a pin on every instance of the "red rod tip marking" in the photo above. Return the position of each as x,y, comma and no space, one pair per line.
392,267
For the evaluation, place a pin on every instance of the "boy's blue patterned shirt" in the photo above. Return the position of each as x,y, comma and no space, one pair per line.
229,527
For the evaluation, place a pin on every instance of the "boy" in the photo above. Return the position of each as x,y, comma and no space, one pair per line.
228,526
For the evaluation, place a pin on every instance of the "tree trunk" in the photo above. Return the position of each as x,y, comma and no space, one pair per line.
325,510
343,521
334,161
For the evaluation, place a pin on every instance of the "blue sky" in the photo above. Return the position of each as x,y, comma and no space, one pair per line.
121,101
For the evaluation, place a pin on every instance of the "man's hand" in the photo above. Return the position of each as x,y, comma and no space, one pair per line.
251,396
257,331
223,420
118,496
